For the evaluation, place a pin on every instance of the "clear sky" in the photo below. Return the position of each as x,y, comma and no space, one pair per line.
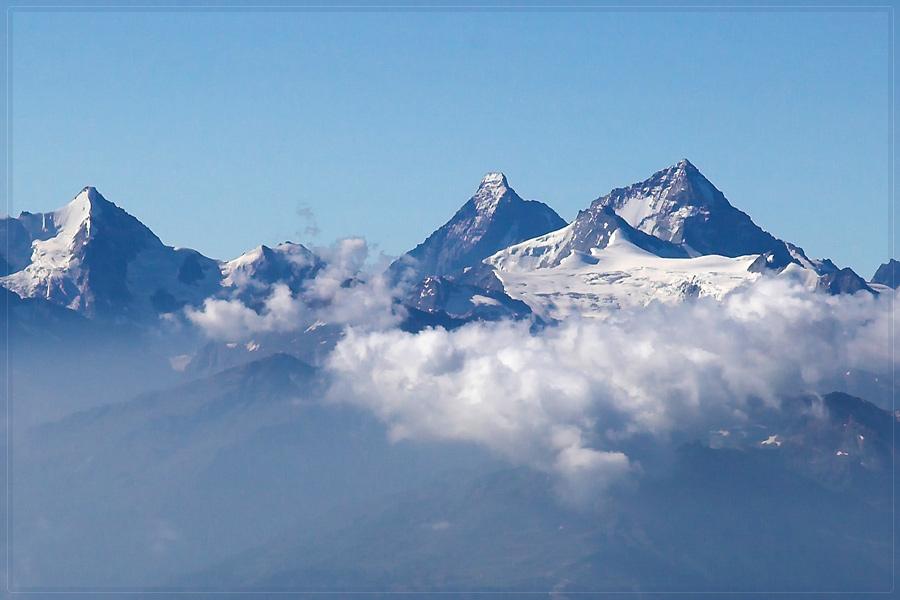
223,130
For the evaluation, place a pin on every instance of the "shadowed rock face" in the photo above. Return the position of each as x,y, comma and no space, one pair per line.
678,213
844,281
82,251
888,274
15,244
117,239
95,258
679,205
593,228
493,219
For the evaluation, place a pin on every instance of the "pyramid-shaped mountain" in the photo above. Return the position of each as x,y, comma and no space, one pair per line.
676,213
493,219
93,257
681,206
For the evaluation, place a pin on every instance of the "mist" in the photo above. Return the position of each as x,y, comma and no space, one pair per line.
494,412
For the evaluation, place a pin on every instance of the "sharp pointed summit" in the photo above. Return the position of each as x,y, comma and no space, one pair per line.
94,257
668,203
686,166
90,194
628,238
495,179
492,219
87,199
81,219
493,190
680,205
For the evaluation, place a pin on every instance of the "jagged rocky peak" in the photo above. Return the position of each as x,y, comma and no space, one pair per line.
89,195
87,205
663,204
89,202
683,170
86,200
651,214
494,218
90,214
94,257
843,281
676,212
496,181
295,253
888,274
492,189
86,226
680,205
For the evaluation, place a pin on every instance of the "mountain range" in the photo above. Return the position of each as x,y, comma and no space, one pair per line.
94,258
180,423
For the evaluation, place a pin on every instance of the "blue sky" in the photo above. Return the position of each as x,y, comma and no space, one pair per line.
220,130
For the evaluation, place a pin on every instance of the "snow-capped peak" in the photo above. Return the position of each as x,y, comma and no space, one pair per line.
666,204
91,193
685,175
71,219
286,263
87,199
72,216
494,218
685,165
492,189
494,180
84,256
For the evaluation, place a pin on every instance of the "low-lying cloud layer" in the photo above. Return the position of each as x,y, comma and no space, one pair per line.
567,398
345,291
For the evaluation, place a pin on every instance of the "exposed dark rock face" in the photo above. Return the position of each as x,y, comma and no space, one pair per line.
888,274
493,219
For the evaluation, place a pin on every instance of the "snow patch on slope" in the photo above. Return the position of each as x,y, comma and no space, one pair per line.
654,207
537,253
54,265
619,276
491,191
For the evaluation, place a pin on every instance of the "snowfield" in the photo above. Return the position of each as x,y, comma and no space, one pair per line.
618,276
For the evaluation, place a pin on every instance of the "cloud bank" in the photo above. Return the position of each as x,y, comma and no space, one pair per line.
567,399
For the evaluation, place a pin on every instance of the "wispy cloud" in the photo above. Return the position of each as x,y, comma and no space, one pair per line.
308,217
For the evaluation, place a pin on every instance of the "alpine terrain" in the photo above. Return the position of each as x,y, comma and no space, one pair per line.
657,397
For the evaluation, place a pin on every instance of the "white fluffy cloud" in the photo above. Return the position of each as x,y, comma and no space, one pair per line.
349,292
345,292
232,320
565,399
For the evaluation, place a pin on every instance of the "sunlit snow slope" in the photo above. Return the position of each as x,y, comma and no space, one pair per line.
621,275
